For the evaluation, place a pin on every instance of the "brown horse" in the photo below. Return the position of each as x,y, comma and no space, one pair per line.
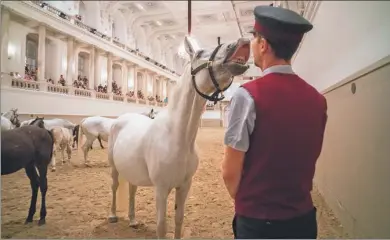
29,147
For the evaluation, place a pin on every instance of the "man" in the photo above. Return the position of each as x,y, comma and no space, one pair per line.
274,136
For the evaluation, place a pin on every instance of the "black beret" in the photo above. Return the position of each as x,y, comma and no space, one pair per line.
275,23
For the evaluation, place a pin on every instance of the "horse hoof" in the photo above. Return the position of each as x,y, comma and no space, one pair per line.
87,165
133,224
41,222
113,219
28,221
53,169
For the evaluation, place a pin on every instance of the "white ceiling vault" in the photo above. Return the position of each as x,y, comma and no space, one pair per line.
166,21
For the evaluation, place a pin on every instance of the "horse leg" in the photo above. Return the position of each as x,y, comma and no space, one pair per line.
161,207
43,186
69,151
180,199
87,145
100,141
53,159
34,183
132,191
62,154
114,187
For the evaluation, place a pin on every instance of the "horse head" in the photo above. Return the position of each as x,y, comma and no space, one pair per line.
212,72
38,122
14,118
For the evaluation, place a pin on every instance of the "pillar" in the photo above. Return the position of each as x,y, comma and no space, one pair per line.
97,78
70,65
154,85
4,40
109,72
146,83
41,52
91,77
168,87
76,62
125,77
135,79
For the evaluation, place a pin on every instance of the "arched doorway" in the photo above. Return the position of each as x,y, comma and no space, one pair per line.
31,57
116,78
83,70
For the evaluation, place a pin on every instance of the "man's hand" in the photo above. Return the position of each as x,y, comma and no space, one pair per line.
232,169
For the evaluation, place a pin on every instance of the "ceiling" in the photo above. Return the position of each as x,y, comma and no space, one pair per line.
166,21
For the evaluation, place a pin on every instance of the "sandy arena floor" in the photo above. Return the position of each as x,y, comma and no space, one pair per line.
78,201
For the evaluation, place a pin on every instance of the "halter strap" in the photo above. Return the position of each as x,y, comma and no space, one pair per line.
209,65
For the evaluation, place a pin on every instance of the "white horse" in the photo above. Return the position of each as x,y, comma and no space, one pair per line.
96,127
62,141
55,122
161,152
10,119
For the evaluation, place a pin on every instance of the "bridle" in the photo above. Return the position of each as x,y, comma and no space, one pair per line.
209,65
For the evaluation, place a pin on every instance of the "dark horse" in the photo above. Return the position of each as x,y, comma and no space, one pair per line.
29,147
76,137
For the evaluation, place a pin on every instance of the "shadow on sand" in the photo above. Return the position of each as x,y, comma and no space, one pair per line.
121,229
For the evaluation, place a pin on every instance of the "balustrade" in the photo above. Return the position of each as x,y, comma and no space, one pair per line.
100,95
82,92
8,82
118,98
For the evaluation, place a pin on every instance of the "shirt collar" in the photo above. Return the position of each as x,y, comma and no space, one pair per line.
287,69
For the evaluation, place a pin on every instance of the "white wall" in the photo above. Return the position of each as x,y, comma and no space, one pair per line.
347,37
35,102
68,7
211,115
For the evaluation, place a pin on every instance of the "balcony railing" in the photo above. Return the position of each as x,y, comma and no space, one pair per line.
8,81
58,13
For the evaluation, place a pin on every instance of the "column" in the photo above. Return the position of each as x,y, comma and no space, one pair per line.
168,88
4,40
91,77
109,72
135,79
154,85
70,65
125,77
97,78
76,61
145,81
41,52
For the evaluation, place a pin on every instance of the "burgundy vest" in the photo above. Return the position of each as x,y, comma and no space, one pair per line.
284,146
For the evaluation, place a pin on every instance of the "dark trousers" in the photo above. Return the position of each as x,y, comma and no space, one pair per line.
302,227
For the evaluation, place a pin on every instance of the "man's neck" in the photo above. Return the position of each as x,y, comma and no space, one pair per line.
274,62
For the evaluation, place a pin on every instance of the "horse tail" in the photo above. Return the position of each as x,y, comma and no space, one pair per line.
75,134
80,133
52,141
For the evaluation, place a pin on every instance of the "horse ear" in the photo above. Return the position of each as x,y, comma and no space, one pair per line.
188,47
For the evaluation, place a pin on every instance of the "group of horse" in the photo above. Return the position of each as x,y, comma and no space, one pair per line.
145,152
32,144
